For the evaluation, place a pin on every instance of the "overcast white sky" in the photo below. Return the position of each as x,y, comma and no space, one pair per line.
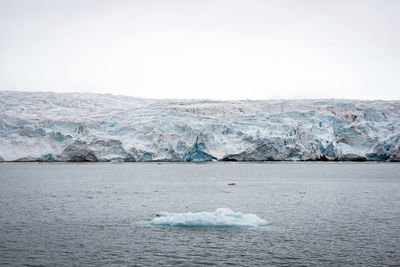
218,49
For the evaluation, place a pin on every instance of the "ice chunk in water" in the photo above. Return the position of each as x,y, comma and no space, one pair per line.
220,217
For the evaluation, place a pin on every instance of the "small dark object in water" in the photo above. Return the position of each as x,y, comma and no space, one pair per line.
232,184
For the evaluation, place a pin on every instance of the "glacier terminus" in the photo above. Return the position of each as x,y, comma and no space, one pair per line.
104,127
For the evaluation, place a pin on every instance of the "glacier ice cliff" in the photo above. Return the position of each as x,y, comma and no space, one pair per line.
102,127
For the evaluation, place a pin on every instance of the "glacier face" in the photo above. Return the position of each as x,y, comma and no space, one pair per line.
101,127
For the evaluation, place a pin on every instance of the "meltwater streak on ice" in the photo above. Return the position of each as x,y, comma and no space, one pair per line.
220,217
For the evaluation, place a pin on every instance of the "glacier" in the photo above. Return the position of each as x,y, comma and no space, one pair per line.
47,126
220,217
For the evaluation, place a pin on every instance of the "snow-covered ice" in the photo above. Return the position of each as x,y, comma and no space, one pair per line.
220,217
102,127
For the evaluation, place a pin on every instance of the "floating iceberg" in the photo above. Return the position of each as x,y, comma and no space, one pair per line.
220,217
100,127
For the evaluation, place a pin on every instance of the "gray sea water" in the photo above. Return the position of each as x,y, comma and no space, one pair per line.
318,214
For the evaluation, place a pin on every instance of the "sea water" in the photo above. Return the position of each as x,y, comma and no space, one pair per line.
61,214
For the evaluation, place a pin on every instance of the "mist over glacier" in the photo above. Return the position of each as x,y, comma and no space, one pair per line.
102,127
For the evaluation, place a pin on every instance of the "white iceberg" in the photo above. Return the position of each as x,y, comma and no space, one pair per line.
220,217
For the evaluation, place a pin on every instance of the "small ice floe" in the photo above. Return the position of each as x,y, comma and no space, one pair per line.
117,160
220,217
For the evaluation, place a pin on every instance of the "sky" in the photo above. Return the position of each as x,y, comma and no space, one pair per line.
213,49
